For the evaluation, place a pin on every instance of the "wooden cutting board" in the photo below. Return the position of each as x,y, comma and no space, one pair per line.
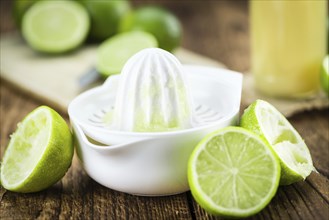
55,79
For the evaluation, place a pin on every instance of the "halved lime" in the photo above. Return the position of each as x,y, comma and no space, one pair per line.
39,152
55,26
113,53
324,75
265,120
233,173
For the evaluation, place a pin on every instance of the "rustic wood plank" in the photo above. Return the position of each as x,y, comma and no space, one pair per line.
313,127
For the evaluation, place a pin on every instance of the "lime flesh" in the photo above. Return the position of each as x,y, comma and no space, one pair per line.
113,53
55,26
265,120
233,173
39,152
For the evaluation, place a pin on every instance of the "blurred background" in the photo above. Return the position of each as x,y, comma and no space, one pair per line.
217,29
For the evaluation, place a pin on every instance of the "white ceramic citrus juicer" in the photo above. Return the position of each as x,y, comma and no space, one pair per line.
147,120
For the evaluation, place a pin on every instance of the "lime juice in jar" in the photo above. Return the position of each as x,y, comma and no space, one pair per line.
289,42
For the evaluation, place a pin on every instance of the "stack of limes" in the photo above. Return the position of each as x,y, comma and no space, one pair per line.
145,27
46,22
60,26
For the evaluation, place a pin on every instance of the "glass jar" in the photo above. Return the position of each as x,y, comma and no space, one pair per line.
288,44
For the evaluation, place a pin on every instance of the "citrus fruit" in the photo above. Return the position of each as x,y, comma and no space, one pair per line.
233,173
55,26
39,152
105,17
157,21
19,9
324,75
113,53
265,120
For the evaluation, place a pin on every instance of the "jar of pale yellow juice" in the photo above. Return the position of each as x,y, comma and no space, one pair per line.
288,44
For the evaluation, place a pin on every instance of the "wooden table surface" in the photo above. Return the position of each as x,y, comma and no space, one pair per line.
220,30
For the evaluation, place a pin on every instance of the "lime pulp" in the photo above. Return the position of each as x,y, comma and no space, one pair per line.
55,26
113,53
233,173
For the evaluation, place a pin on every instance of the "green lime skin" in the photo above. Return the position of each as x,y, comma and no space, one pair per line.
157,21
19,9
324,75
105,17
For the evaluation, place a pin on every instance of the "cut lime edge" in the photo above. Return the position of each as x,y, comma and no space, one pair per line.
202,198
50,46
30,116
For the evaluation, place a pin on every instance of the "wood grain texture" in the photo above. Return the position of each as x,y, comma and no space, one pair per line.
218,29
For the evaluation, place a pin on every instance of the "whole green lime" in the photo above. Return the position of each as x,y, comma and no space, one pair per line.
105,17
157,21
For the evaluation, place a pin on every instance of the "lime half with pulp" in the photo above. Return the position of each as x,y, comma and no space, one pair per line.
265,120
233,173
113,53
39,152
55,26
